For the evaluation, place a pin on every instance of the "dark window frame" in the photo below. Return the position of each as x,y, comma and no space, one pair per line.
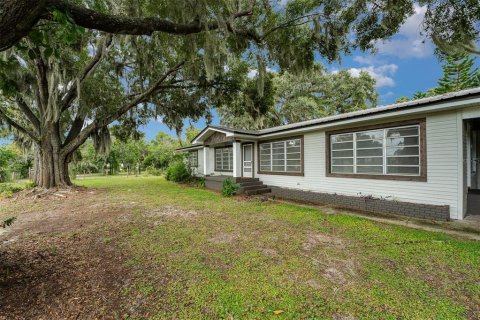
283,173
423,152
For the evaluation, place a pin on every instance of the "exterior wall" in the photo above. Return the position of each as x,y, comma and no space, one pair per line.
443,173
416,210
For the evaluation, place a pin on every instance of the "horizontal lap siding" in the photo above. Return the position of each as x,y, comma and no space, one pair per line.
442,170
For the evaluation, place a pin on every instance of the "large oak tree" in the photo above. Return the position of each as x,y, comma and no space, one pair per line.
72,68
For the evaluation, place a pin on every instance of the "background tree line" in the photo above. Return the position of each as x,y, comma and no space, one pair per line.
128,155
292,97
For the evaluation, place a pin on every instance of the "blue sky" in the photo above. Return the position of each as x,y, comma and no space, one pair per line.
401,66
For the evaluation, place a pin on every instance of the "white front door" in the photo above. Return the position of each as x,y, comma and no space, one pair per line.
247,166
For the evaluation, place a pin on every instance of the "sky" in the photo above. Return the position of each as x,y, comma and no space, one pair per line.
401,66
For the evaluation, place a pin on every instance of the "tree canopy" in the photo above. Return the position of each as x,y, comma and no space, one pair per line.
290,98
451,24
71,69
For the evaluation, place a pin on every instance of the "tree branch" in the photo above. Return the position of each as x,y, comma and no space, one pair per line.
19,17
22,105
42,83
117,24
99,123
102,47
291,23
17,126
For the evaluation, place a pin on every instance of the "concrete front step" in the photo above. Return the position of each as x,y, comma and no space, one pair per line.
473,203
248,184
244,179
258,191
249,188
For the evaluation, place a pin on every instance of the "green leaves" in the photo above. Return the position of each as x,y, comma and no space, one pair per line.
48,52
8,222
31,54
69,30
293,97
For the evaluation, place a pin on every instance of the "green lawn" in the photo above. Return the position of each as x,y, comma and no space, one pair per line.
233,258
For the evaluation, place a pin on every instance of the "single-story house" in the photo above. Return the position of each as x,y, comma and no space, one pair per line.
418,158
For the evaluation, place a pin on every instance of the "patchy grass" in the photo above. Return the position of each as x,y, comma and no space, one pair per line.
7,189
193,254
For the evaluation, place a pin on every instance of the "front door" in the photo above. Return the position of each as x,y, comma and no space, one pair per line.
473,196
247,166
475,159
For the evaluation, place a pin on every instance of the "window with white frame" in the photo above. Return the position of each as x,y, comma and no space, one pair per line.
193,158
388,151
281,156
224,159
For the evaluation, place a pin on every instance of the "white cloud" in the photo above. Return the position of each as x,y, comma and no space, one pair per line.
408,43
253,73
382,74
370,60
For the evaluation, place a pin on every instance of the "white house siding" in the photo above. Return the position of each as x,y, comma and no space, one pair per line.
442,165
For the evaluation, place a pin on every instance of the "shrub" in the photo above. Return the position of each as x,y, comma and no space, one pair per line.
3,175
199,183
30,184
178,172
155,171
229,187
8,189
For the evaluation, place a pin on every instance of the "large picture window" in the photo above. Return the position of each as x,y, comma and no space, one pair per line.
281,156
193,158
392,151
224,159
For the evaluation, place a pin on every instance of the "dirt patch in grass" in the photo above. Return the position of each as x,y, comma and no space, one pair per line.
169,211
61,279
314,240
223,238
63,258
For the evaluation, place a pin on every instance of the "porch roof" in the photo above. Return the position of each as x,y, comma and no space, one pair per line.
191,148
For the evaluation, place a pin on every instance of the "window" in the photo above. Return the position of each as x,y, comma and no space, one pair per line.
193,158
224,159
389,151
281,156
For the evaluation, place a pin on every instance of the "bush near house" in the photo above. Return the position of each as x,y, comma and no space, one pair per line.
178,172
229,187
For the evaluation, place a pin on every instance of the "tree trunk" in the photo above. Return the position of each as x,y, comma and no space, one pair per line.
51,165
17,18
